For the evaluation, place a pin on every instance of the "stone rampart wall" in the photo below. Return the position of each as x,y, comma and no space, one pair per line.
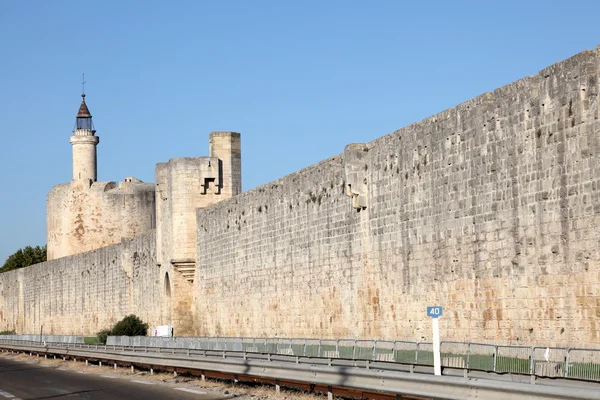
490,209
84,293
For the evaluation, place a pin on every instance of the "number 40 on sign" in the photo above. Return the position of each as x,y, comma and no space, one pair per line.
434,312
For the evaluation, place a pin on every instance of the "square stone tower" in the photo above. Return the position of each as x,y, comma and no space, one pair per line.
182,186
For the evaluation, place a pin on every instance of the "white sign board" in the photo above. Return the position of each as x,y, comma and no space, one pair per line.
163,330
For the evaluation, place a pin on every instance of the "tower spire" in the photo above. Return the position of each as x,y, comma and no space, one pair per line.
84,118
84,142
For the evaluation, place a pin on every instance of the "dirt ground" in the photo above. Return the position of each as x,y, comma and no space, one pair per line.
240,391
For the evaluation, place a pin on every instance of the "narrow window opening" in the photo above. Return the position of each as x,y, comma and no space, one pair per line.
167,285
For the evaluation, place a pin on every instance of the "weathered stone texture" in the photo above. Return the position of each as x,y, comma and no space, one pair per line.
84,293
182,186
489,209
83,216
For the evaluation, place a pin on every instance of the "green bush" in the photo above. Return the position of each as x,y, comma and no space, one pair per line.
131,325
103,335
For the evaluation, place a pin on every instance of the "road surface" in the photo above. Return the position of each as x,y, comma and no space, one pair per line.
22,380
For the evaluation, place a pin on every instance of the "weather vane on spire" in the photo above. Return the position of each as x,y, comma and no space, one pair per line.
83,85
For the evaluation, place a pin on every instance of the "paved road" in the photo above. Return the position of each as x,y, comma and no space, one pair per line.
21,380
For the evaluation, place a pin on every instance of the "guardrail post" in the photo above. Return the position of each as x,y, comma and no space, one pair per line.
468,359
374,351
531,362
417,354
337,348
495,356
567,363
319,350
353,351
304,350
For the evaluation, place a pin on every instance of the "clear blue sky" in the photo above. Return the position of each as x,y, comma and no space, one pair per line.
298,79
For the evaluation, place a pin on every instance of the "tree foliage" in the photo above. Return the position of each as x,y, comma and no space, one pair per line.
131,325
103,335
24,258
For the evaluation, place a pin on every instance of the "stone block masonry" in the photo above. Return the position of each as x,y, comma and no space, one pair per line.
490,209
84,293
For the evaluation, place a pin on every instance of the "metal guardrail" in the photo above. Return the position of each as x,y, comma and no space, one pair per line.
581,364
570,363
356,374
46,338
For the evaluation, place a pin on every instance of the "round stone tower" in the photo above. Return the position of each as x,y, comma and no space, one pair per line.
84,145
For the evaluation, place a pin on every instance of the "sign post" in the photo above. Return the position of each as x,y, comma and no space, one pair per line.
435,312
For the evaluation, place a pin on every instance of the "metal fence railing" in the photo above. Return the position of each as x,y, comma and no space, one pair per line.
548,362
540,361
46,338
298,370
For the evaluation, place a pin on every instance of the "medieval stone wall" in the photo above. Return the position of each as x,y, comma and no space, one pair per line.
182,186
84,293
83,215
490,209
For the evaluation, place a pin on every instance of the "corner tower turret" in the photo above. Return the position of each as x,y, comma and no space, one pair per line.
226,146
84,144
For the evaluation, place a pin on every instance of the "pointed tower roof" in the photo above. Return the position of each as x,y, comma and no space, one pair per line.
83,122
84,112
